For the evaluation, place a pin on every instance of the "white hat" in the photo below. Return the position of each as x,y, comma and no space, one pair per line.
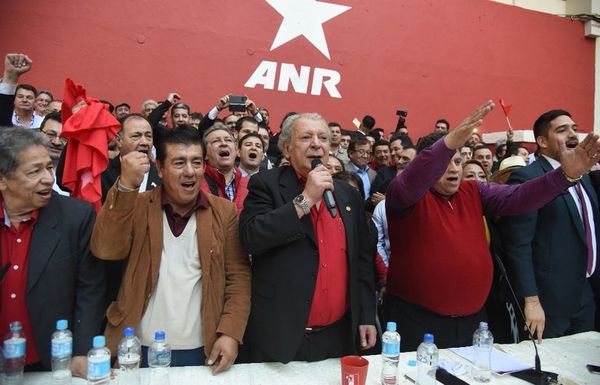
512,161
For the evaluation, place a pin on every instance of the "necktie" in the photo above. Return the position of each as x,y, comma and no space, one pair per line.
586,226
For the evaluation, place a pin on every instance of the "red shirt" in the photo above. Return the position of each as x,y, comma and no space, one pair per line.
14,246
330,299
177,222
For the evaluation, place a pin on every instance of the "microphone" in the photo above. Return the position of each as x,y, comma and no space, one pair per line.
327,194
534,376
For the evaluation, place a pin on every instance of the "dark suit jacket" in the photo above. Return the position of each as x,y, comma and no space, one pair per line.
285,263
64,280
112,172
7,103
546,249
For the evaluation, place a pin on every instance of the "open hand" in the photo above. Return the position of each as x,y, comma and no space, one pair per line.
459,136
579,160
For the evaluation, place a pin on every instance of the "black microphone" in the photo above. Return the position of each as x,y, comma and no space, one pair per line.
327,194
534,376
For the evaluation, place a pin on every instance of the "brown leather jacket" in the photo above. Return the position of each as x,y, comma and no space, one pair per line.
129,226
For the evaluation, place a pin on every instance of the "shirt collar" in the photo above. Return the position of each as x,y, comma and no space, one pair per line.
4,219
357,169
201,202
553,162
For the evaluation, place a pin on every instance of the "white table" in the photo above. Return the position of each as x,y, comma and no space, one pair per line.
566,356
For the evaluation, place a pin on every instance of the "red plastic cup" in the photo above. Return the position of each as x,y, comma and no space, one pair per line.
354,370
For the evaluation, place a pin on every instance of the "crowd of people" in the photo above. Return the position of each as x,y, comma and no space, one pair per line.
249,244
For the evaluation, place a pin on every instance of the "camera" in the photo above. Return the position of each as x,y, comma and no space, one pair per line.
402,114
237,103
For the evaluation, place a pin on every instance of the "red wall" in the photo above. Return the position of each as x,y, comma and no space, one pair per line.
436,58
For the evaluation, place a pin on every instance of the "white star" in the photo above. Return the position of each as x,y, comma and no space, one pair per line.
304,17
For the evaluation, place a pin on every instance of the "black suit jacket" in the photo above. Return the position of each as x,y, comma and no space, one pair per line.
7,103
285,263
112,172
546,250
64,280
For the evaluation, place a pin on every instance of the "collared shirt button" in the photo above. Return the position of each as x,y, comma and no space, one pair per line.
19,240
13,296
15,267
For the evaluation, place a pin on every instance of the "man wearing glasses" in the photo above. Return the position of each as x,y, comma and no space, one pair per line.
359,152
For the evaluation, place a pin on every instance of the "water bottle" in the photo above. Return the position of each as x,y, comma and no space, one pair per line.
99,363
129,355
61,351
483,341
390,355
159,359
159,353
427,360
14,354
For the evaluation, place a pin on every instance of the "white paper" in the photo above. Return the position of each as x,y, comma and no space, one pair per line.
502,363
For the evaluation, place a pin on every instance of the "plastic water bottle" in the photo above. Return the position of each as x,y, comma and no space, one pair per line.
61,351
99,363
390,355
129,354
483,341
14,354
159,359
427,361
159,353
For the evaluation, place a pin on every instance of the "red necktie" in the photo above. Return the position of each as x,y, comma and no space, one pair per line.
587,228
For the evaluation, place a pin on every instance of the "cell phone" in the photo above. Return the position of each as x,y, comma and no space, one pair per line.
593,368
237,103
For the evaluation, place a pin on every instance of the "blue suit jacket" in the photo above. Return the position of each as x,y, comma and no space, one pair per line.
546,250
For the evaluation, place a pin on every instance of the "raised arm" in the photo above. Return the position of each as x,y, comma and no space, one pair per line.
503,200
430,164
15,65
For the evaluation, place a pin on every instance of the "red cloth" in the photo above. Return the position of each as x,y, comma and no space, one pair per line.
440,259
373,165
505,107
89,130
330,299
15,250
381,271
240,183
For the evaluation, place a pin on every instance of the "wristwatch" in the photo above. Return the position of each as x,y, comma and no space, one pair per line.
302,202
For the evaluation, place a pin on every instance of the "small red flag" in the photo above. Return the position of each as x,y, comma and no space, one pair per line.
505,107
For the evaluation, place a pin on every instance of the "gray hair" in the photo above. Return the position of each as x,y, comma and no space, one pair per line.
215,127
13,141
286,128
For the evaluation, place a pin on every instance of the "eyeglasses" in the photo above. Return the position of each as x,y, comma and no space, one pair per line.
53,135
363,152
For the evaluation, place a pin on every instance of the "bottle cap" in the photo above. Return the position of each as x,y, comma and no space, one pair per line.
15,326
129,331
483,325
159,335
62,324
428,337
99,342
391,326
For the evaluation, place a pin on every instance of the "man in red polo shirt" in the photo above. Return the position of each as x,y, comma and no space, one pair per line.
44,245
312,280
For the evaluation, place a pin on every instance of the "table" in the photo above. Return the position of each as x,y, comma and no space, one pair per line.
566,356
